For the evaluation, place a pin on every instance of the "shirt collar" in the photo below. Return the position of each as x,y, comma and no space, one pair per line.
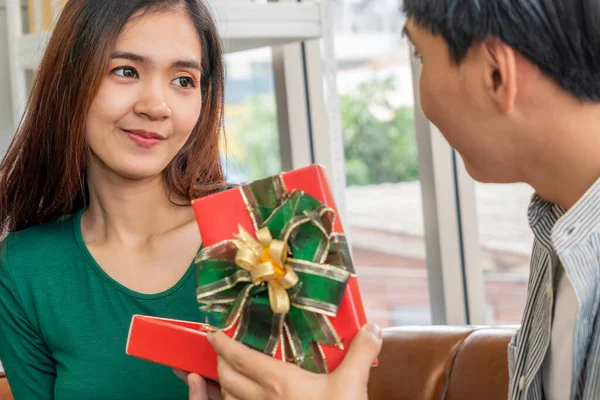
566,229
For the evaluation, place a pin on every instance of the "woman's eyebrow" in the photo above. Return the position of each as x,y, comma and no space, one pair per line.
193,64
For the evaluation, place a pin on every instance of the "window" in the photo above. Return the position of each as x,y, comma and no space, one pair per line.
383,197
252,139
506,241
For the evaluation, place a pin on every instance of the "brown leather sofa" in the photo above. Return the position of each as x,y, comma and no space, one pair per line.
450,363
432,363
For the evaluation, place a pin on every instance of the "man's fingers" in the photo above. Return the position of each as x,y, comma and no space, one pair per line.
255,365
364,349
235,385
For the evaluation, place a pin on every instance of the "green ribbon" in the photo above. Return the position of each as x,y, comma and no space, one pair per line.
320,258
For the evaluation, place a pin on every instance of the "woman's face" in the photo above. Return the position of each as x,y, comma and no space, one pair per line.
150,98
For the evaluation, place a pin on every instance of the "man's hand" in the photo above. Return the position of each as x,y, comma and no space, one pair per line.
245,374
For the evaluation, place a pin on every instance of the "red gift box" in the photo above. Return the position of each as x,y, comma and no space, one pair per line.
183,345
178,344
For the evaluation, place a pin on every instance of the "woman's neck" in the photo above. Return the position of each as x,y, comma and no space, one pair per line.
131,212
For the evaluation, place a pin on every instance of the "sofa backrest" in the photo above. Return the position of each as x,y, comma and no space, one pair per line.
442,363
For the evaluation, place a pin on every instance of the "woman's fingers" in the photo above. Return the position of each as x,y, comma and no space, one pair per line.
236,385
197,387
256,366
181,374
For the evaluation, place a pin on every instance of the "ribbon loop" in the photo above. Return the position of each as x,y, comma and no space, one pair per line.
290,279
246,258
278,298
278,251
264,236
263,272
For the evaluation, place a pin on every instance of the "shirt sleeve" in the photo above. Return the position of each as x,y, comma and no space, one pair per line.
512,361
27,360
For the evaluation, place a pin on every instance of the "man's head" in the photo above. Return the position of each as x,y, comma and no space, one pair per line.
497,74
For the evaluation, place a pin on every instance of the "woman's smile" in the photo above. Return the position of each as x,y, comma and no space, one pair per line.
144,139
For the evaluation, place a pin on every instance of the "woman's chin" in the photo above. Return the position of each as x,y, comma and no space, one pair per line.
138,173
141,175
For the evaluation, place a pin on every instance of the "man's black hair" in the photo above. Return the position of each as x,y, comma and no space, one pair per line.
561,37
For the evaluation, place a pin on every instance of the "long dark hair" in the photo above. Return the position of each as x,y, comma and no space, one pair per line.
43,175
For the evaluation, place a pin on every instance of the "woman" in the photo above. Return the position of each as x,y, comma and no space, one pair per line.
121,131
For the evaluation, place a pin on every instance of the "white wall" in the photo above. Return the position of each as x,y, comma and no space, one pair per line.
6,123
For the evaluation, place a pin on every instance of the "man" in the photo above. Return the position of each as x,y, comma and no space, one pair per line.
514,86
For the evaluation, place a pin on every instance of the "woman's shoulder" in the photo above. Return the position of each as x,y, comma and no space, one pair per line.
34,263
41,241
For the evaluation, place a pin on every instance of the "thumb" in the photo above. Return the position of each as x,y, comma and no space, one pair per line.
364,349
197,387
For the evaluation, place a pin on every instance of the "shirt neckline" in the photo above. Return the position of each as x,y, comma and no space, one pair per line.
114,283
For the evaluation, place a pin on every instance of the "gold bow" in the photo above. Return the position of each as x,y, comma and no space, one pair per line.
266,260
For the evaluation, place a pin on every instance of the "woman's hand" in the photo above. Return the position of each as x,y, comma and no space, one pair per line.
245,374
200,388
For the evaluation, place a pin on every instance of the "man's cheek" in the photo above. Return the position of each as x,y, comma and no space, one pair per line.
426,99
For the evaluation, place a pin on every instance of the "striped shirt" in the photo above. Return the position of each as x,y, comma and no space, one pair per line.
573,239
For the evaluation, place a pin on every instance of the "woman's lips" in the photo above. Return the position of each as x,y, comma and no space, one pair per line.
144,139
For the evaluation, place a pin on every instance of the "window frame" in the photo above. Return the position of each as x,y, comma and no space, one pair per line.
310,132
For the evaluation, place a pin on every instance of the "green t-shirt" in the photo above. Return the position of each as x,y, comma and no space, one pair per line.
64,321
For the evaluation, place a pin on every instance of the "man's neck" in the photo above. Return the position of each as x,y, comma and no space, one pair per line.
567,161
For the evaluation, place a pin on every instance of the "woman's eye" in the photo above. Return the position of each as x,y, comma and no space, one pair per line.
126,72
186,82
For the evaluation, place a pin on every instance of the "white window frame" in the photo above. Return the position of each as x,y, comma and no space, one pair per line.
308,93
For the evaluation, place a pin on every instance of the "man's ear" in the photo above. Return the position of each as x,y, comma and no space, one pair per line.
500,73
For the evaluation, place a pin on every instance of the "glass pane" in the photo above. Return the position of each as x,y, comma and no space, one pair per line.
251,132
385,216
506,242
